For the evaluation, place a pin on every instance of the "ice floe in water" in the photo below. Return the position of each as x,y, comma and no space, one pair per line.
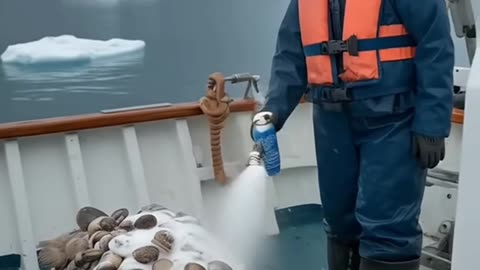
50,68
69,49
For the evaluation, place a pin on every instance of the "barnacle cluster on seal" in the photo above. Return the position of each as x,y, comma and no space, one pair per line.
155,238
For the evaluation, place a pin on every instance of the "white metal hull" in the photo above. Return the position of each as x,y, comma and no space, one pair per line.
45,179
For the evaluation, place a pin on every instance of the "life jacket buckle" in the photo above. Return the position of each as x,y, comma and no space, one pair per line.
338,94
340,46
352,45
333,47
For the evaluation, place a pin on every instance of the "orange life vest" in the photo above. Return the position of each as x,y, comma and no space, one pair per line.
365,46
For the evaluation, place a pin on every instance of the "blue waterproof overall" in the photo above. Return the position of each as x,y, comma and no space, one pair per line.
371,185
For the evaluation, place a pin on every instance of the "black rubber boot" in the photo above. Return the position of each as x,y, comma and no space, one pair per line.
355,257
366,264
342,256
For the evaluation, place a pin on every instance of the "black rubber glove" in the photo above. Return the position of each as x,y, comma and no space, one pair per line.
428,150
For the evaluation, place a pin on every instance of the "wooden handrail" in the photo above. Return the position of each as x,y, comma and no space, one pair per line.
99,120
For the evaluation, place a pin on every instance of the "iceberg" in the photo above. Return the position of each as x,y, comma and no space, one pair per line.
69,49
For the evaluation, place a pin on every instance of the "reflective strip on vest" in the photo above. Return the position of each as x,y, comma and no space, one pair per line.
361,19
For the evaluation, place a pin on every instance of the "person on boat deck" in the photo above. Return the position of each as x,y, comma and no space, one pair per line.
380,77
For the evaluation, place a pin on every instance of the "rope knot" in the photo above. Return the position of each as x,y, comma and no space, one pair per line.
216,105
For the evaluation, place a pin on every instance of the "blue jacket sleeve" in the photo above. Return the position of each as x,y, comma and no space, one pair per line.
428,23
288,78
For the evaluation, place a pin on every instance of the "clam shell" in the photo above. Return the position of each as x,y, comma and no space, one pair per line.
91,255
70,266
93,265
103,243
194,266
52,257
94,226
108,224
74,246
146,254
126,225
106,266
109,261
96,236
79,259
129,263
218,265
87,266
117,232
162,264
86,215
147,221
120,214
101,224
164,240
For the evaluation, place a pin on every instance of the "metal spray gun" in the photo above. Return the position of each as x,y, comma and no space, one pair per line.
256,155
263,132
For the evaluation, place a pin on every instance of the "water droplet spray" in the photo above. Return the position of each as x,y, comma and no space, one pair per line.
242,219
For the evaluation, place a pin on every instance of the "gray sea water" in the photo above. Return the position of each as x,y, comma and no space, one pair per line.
186,40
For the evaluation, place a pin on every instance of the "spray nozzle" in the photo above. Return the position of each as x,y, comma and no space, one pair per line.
262,118
255,156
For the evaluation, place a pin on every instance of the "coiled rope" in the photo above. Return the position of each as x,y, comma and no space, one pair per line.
216,105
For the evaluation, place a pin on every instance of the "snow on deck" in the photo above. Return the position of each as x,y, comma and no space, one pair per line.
68,48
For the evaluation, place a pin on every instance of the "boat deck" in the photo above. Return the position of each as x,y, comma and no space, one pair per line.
301,243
